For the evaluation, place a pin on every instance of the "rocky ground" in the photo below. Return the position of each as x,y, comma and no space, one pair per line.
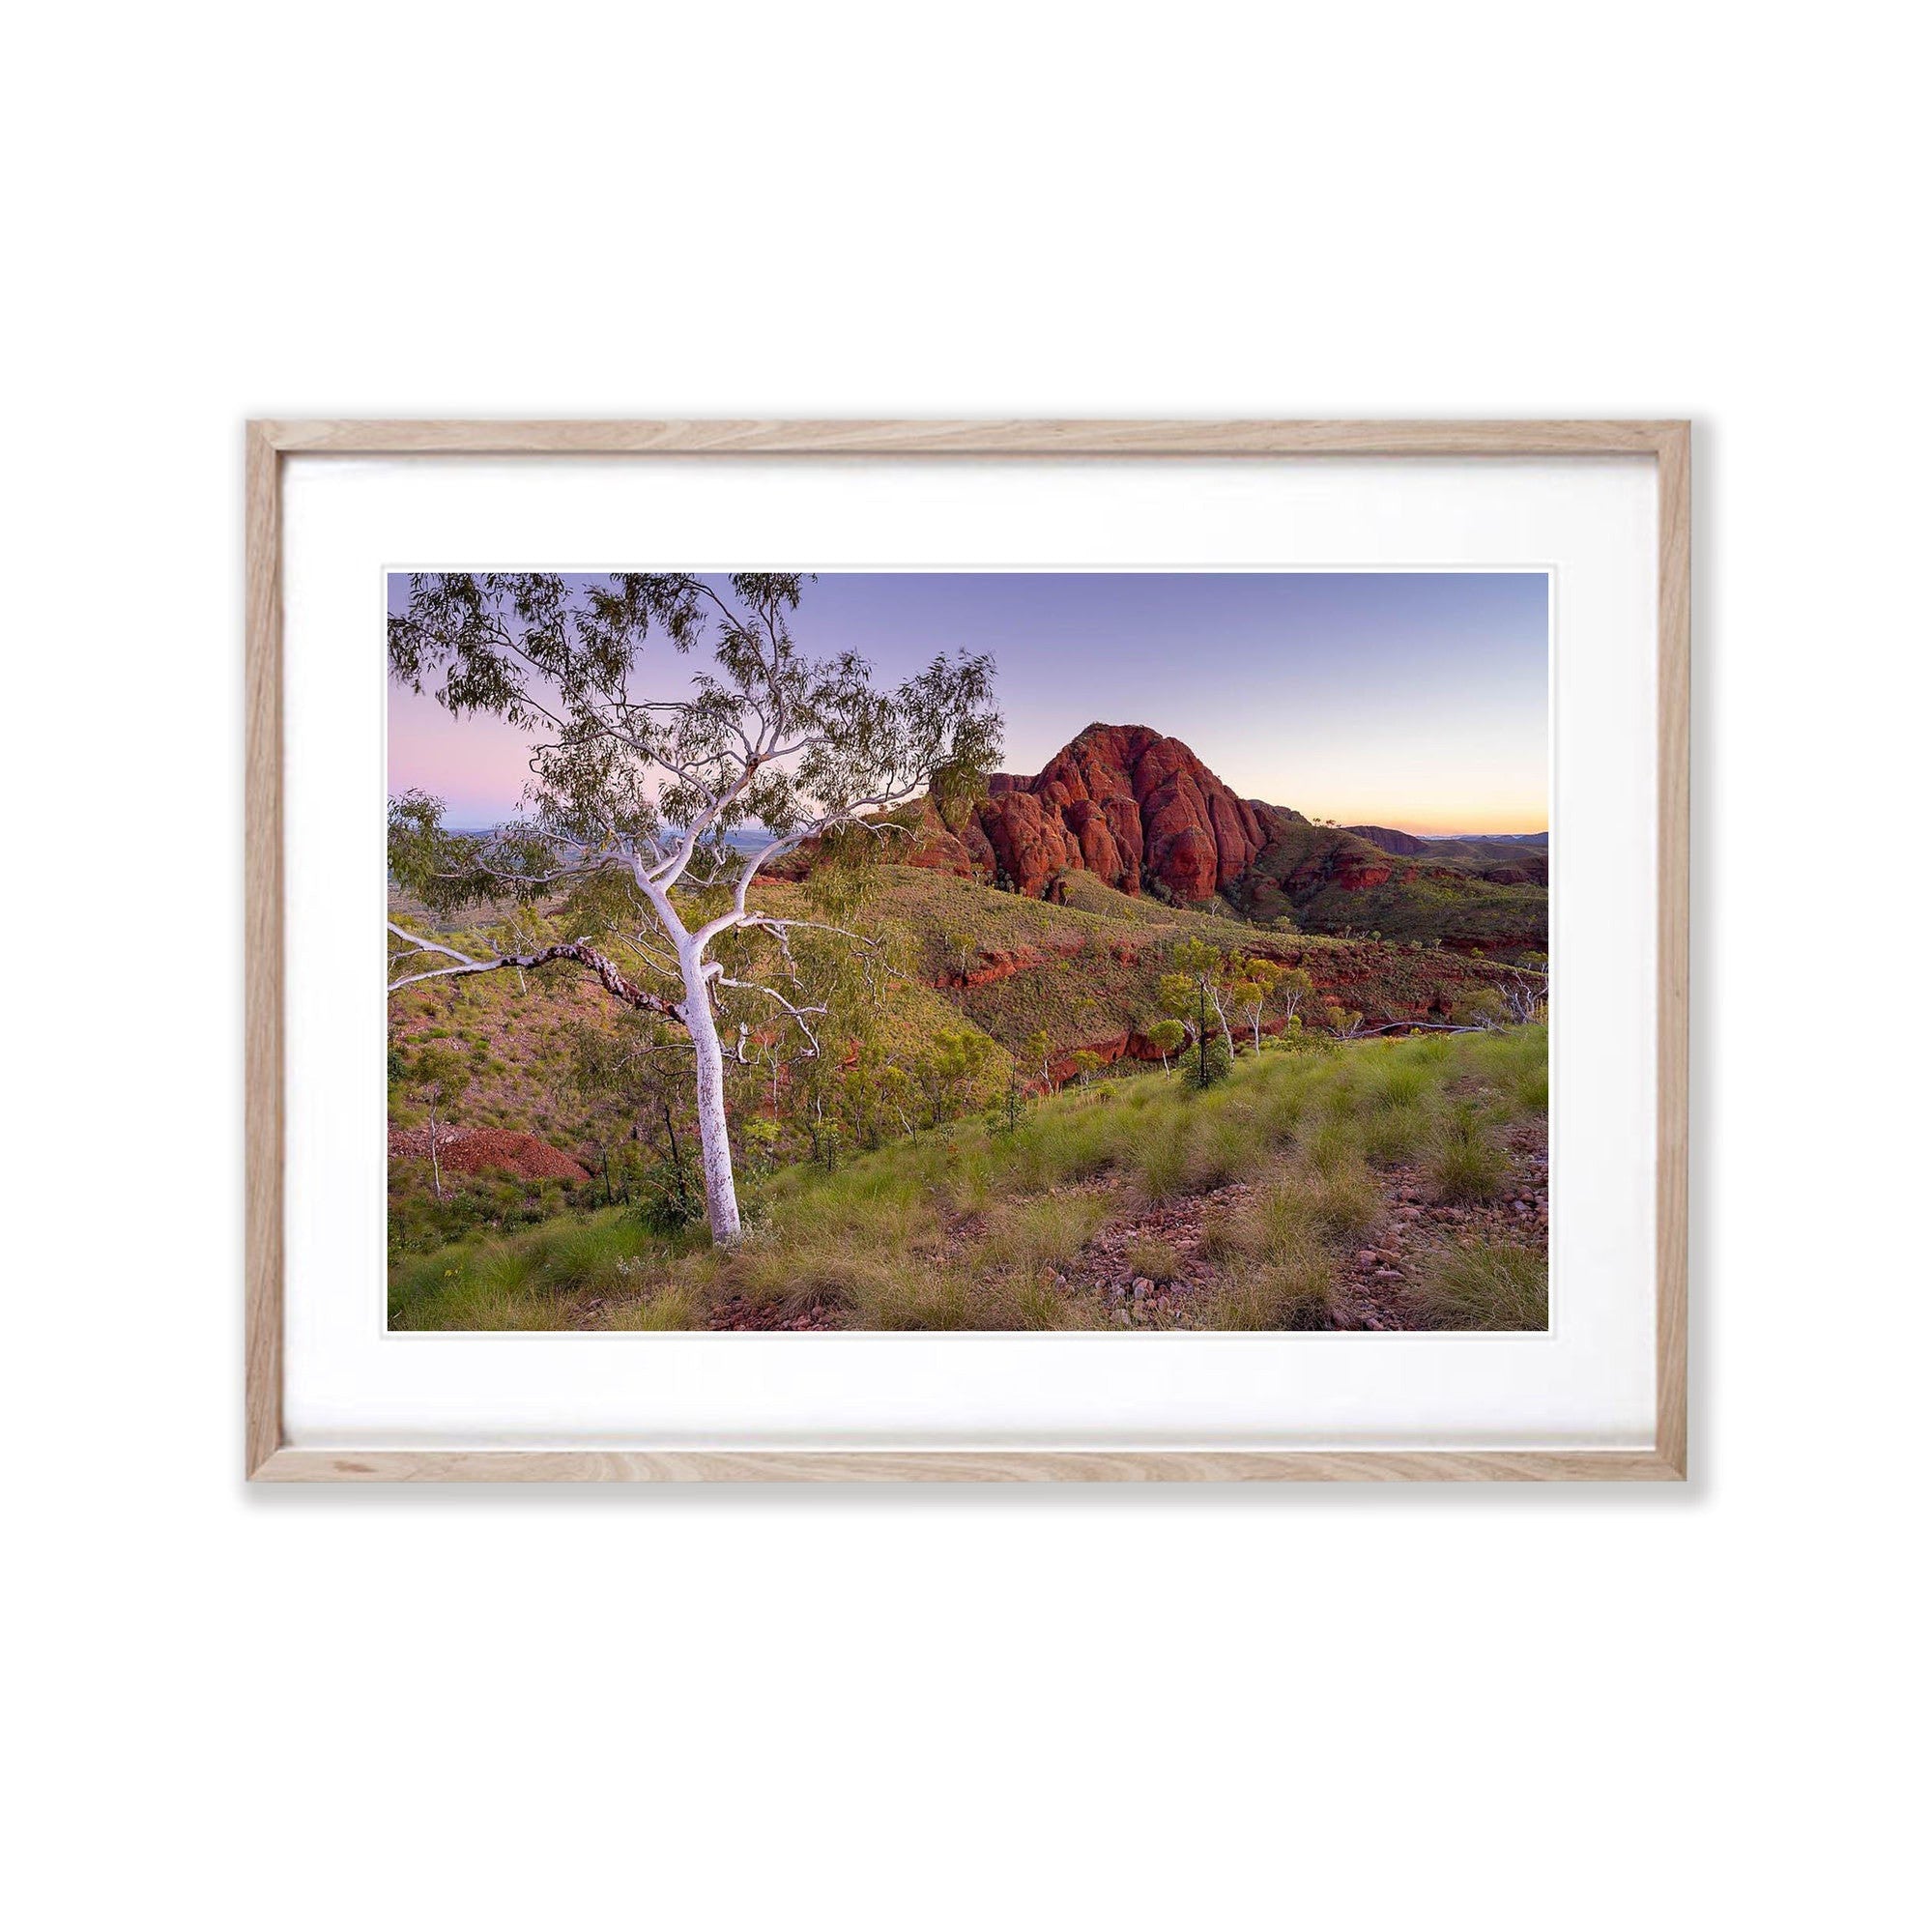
1371,1291
1373,1286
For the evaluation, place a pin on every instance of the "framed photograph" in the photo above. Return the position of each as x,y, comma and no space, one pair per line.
1024,951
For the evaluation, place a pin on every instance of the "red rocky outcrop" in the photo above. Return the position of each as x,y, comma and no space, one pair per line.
488,1150
1128,805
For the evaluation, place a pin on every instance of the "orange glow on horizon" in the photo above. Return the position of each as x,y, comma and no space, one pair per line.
1436,819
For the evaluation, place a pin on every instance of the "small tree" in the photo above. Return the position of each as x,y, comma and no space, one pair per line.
1483,1007
634,794
1086,1063
1199,967
1039,1052
1340,1021
948,1072
1250,985
1526,989
760,1139
962,956
439,1075
899,1096
1294,991
1166,1037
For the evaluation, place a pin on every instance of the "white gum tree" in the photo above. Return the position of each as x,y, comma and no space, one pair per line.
633,799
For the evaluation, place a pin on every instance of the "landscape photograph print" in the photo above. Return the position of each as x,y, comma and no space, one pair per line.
1123,952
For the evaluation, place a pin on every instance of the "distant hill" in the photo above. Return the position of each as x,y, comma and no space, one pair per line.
1407,844
1141,813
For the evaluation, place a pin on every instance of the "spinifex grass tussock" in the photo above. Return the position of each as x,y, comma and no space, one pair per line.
1155,1260
1043,1234
1491,1285
671,1305
1465,1165
1275,1297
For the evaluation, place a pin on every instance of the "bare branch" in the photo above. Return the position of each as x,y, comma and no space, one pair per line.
579,951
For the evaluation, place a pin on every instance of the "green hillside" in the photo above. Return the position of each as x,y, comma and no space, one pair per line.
1330,881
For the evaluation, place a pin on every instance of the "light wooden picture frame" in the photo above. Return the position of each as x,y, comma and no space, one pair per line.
271,1457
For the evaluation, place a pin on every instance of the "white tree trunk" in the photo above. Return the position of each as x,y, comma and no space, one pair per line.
1220,1017
721,1201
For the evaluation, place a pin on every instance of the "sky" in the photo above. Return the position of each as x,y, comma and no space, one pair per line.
1417,700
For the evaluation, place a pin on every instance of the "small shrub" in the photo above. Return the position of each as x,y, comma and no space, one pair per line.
1219,1151
1033,1236
1399,1085
668,1196
581,1255
1161,1169
1271,1224
1334,1147
1392,1137
1208,1069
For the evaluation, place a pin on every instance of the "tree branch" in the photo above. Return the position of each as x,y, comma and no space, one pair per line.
580,951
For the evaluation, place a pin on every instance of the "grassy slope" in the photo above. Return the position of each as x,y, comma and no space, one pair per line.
1088,971
1246,1207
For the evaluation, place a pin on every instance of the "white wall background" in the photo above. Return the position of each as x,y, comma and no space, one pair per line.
1386,1709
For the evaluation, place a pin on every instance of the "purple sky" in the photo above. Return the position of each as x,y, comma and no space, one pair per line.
1418,700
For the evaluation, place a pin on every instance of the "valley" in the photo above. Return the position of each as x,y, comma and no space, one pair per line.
1370,1134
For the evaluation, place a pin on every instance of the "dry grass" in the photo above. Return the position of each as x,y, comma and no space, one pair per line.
1157,1260
1494,1285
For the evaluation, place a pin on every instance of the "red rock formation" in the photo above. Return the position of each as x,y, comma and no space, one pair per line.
1128,805
1028,843
1129,1046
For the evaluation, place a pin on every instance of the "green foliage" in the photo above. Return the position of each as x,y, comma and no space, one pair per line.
1209,1061
1157,1260
1038,1052
949,1074
1166,1037
670,1196
438,1074
759,1140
